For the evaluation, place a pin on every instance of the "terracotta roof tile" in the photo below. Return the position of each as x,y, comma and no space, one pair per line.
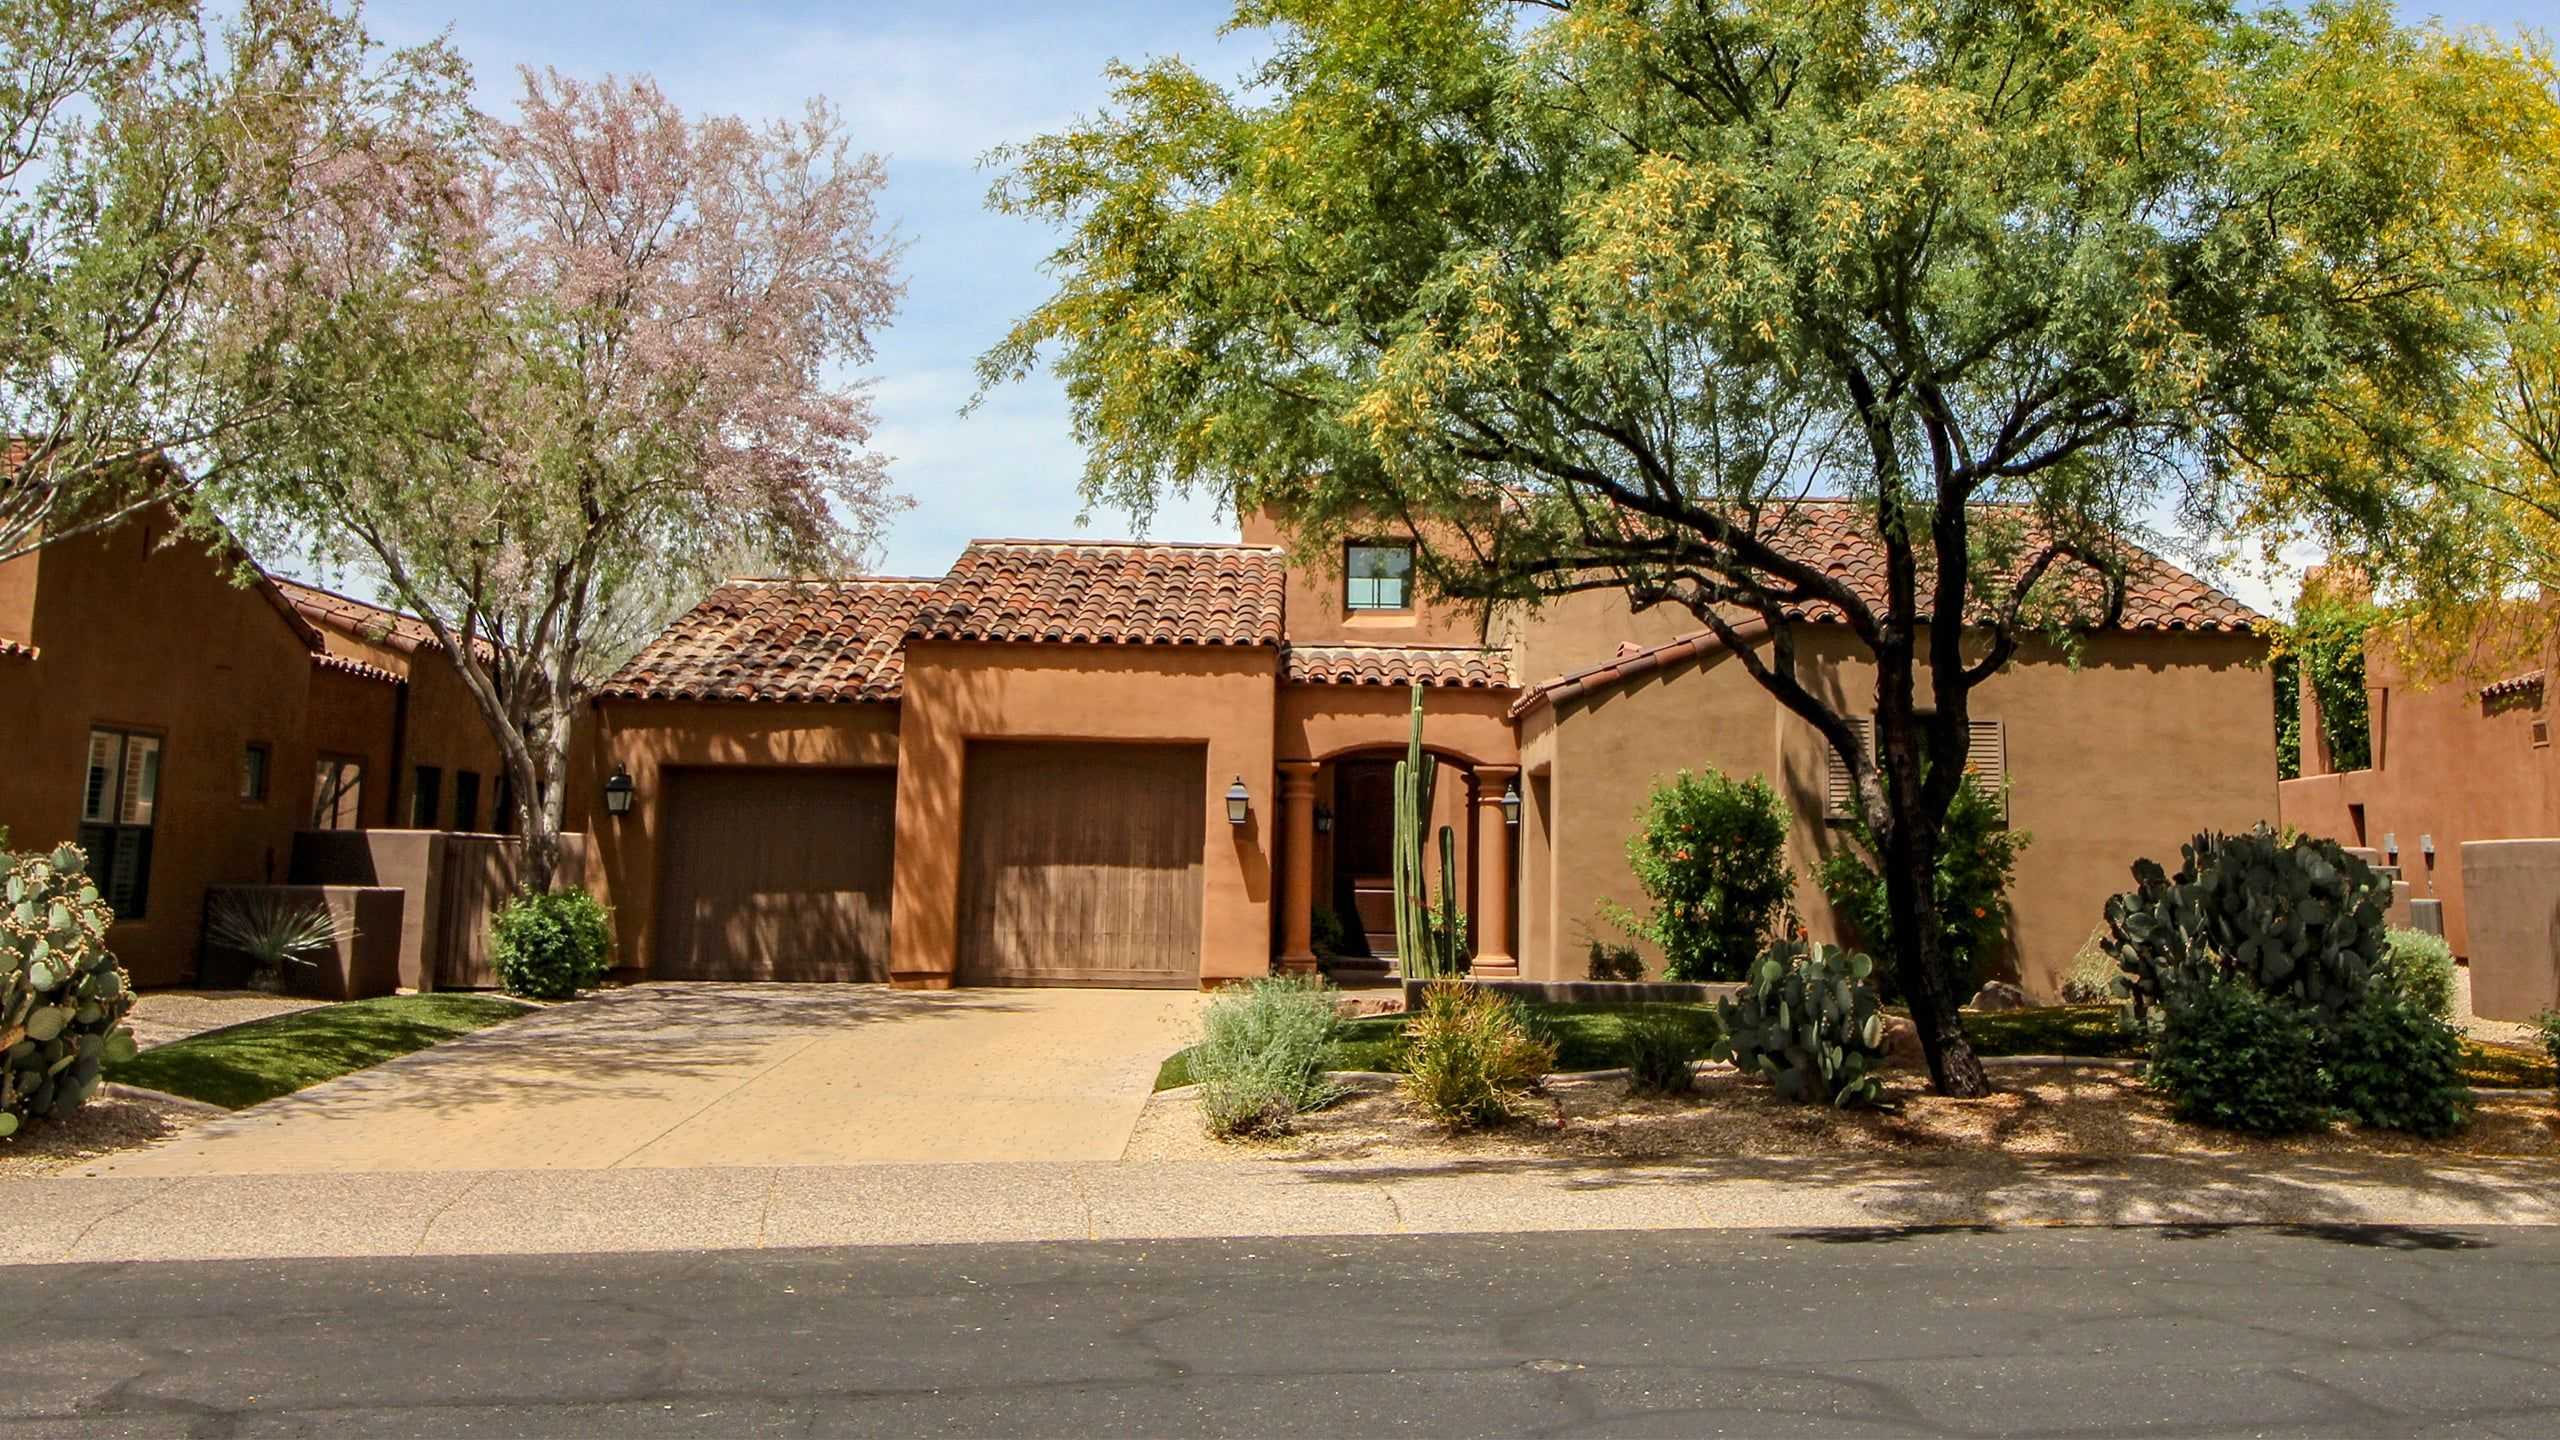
2523,684
11,649
1459,667
1632,661
348,666
1107,593
1836,535
826,641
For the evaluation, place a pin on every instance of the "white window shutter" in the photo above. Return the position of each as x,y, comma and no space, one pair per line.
1986,754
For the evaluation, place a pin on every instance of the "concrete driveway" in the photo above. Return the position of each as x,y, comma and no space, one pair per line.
679,1075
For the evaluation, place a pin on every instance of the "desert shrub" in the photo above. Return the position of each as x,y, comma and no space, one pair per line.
1260,1061
2396,1065
1809,1020
1472,1055
2297,918
274,931
1709,852
1659,1049
2548,1024
2231,1056
549,947
63,997
1330,936
2091,980
1977,858
2418,967
1615,962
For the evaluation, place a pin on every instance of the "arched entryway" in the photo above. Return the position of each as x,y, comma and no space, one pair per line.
1338,832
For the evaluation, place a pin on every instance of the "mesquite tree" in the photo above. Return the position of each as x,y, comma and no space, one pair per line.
602,343
147,153
1636,294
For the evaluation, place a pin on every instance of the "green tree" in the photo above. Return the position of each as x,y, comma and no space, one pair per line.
1597,296
1710,853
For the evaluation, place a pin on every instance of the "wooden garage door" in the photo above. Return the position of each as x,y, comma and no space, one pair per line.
776,875
1080,864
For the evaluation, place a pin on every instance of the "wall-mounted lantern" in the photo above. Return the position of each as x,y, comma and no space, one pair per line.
1237,802
618,791
1324,820
1511,803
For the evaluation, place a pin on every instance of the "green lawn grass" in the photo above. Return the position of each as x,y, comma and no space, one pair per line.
1588,1037
266,1058
2099,1030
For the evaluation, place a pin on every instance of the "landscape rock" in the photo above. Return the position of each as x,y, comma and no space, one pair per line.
1902,1045
1999,995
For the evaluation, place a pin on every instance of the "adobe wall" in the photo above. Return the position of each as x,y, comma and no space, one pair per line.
1220,696
2514,887
1316,614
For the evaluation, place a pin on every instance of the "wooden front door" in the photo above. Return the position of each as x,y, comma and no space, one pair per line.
776,875
1081,864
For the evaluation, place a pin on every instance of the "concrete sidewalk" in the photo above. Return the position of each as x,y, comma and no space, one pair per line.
743,1208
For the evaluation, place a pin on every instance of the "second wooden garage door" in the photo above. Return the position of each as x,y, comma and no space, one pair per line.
1080,864
776,875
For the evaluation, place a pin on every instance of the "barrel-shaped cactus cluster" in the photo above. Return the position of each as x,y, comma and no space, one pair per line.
63,997
1808,1019
2299,918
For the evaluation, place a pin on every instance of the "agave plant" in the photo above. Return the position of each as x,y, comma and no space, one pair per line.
274,931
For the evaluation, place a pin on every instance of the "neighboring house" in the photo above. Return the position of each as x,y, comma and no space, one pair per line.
2450,763
1023,771
183,728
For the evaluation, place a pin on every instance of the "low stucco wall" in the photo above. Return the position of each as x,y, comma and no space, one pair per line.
364,963
2514,891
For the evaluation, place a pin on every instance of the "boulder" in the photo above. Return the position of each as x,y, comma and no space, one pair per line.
1902,1044
1999,995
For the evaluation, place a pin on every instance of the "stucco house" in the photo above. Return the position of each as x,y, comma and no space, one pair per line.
186,729
1124,763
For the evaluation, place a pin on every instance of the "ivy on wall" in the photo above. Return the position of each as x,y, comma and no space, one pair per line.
2325,641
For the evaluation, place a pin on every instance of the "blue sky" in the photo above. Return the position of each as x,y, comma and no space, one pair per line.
932,86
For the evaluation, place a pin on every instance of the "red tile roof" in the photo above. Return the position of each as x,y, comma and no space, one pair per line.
1838,536
2523,684
828,641
16,651
1107,593
350,666
1461,667
1630,662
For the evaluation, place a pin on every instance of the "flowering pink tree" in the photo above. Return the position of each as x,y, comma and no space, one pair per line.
607,348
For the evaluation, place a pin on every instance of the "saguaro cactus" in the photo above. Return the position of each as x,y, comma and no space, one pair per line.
1422,950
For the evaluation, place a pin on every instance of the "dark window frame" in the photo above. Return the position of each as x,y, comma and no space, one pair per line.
257,772
1403,583
426,797
120,849
322,768
466,801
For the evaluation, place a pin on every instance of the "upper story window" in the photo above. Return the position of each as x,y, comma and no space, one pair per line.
255,760
118,807
1378,577
337,794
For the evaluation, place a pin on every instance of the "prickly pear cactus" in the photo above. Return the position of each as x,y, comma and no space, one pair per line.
1808,1019
2300,918
63,997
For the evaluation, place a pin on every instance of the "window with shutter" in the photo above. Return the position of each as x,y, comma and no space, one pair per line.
1986,754
1840,801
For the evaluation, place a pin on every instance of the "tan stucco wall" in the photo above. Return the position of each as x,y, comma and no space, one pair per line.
2149,739
156,639
2450,768
1222,697
647,738
443,727
2514,889
1316,614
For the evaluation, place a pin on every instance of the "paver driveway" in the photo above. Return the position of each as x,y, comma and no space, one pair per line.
700,1074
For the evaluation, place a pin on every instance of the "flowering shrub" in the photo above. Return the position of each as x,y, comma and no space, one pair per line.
1710,853
1977,857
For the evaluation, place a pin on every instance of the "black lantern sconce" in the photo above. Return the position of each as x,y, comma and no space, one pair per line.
1237,802
1511,803
1324,820
618,791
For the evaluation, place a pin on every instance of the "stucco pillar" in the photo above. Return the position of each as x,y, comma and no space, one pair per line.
1493,873
1297,866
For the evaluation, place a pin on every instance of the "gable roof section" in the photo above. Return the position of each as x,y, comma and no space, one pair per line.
828,641
1107,593
1457,667
367,621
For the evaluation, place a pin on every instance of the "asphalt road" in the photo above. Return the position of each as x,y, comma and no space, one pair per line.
2071,1332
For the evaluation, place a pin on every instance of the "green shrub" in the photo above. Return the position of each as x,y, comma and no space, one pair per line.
2093,976
2419,967
1260,1061
1709,852
1331,938
2298,918
63,997
1659,1050
1615,962
1977,858
549,947
1472,1055
2231,1056
1808,1018
2548,1022
2396,1065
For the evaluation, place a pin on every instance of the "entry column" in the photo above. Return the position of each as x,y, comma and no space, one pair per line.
1297,866
1493,872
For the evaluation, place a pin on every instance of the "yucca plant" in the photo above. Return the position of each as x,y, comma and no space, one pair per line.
274,931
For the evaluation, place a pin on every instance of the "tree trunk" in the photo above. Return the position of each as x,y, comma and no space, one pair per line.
1910,861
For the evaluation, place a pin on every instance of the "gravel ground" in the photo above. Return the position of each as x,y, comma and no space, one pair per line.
116,1120
2064,1111
2478,1029
161,1016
